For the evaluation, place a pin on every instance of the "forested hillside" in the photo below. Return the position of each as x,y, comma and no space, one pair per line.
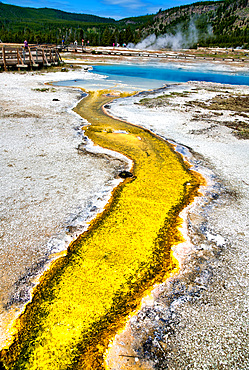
208,23
231,24
48,25
222,23
18,13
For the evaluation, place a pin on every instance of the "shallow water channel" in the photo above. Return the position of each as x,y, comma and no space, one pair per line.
86,296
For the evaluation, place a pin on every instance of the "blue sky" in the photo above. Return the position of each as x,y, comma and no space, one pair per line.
106,8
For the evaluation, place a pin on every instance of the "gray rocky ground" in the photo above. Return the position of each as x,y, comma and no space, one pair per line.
198,319
49,189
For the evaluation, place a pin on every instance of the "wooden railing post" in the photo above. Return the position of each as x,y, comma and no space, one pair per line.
44,57
58,56
4,58
44,53
23,54
51,56
31,59
19,58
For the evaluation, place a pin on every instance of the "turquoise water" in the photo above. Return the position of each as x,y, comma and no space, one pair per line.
127,77
172,74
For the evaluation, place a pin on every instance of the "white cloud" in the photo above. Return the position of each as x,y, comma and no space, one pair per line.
131,4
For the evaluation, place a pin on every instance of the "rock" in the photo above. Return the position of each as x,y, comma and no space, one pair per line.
125,174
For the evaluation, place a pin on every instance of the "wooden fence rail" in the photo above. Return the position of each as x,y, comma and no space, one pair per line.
35,56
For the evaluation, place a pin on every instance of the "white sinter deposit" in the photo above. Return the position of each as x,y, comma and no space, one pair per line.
49,189
199,318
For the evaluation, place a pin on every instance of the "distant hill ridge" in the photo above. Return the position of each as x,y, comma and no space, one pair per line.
13,12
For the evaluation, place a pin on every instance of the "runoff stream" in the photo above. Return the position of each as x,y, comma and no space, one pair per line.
86,296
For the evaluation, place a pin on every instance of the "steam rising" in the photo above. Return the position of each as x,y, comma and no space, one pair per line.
175,41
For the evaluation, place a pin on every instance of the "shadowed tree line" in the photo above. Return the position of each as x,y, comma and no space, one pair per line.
95,34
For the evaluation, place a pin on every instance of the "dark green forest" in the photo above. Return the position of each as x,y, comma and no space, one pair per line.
231,24
51,26
218,23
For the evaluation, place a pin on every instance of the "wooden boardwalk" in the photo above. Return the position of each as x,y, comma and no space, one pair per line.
212,55
31,57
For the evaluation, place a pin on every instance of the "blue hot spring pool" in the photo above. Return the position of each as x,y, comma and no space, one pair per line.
152,76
